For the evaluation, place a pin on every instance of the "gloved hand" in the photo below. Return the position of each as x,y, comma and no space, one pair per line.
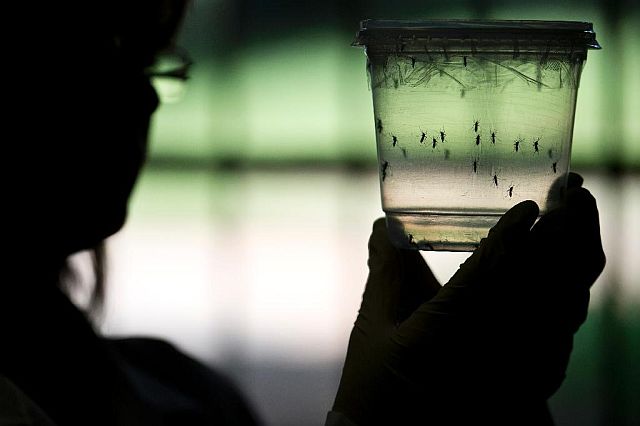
492,344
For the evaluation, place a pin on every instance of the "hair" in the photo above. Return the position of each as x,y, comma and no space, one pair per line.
88,296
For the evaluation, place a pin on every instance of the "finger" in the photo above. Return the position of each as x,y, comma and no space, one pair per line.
558,189
572,233
507,235
584,217
570,249
518,219
398,279
473,277
574,180
569,256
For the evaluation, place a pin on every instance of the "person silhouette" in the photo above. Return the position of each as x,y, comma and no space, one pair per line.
86,118
492,344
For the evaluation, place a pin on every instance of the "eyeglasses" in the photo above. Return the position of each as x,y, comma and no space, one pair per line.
169,74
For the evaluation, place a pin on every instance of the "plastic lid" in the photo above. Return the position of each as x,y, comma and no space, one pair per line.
571,34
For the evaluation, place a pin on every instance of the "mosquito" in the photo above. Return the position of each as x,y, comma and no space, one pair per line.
495,178
442,134
536,145
475,165
510,190
379,125
434,142
516,144
476,126
478,139
395,140
385,167
493,137
423,136
555,167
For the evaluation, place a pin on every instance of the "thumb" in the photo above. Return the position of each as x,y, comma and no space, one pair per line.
399,280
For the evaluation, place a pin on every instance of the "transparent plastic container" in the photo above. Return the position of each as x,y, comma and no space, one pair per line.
471,117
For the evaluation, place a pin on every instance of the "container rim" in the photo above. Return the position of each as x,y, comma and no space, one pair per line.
373,31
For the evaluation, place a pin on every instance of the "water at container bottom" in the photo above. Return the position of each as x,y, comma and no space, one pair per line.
438,232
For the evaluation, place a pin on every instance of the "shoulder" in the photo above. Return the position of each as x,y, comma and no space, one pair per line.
170,379
16,408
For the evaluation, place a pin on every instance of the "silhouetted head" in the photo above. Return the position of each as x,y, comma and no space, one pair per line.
91,113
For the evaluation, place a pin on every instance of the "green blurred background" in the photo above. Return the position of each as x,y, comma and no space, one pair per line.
278,80
247,237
